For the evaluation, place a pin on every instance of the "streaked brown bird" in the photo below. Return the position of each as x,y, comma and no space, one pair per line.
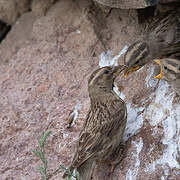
170,72
104,125
161,39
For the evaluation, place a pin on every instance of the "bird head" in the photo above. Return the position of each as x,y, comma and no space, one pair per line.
169,69
103,78
136,56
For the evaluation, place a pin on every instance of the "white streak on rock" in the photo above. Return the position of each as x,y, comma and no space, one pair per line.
133,171
134,121
120,94
105,59
78,31
163,112
75,113
150,81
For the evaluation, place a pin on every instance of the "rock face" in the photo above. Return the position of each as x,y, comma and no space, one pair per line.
45,80
127,4
10,10
17,37
167,1
40,7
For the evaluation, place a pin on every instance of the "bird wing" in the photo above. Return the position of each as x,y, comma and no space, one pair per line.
96,138
165,30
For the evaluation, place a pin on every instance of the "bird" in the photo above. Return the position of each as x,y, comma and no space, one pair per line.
170,72
104,124
159,40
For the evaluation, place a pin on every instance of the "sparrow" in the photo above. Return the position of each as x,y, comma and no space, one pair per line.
160,40
170,72
104,124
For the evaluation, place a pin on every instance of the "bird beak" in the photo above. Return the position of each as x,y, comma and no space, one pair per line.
130,70
118,69
159,76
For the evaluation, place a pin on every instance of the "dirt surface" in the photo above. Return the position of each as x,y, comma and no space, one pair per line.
43,76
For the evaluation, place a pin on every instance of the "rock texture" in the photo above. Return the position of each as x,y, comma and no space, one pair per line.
126,4
17,37
11,10
40,7
167,1
45,80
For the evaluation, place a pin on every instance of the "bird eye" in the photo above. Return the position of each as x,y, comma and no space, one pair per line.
106,71
137,62
165,67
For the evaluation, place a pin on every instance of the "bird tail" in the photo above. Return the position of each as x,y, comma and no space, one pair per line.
85,170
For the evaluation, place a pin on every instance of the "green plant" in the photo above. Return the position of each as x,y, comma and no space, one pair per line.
40,154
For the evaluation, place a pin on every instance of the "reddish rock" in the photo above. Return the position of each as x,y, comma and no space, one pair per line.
46,77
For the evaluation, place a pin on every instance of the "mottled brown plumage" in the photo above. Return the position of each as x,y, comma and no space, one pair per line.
104,125
161,39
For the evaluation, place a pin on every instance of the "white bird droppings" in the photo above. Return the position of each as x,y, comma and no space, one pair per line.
105,59
75,113
163,112
160,111
133,170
